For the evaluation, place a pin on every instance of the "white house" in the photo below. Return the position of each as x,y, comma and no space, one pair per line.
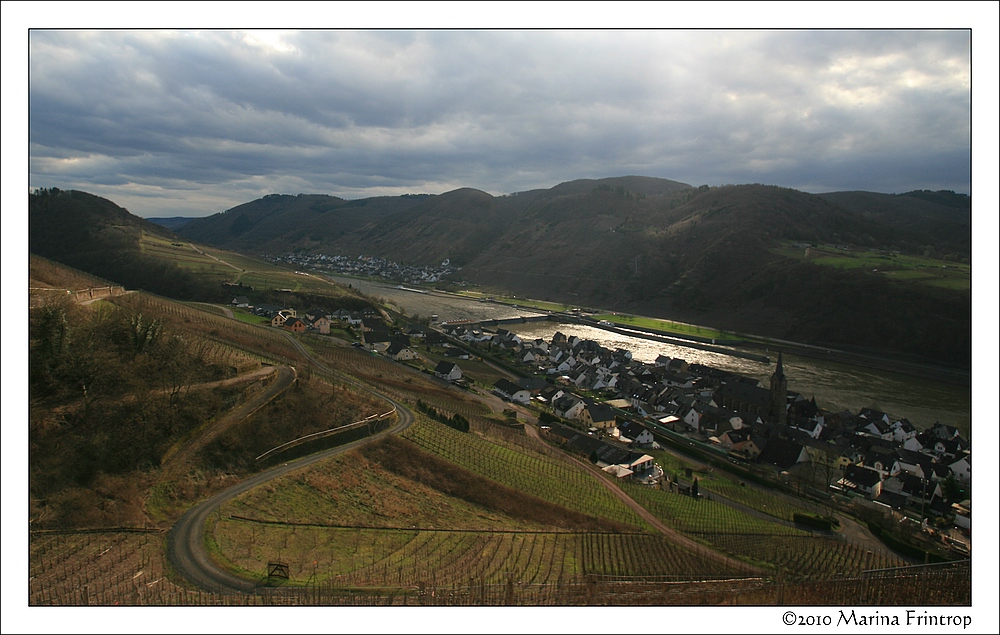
449,371
568,407
509,390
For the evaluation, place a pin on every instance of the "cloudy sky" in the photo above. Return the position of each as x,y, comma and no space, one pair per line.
194,122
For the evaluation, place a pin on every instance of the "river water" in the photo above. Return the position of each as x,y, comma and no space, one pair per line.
835,386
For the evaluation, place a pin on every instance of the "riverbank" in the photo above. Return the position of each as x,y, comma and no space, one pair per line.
919,370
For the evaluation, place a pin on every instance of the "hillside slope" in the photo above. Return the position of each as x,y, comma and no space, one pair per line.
93,234
732,257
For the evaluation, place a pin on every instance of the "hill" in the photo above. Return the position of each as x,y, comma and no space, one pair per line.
732,257
280,223
883,274
93,234
932,223
173,223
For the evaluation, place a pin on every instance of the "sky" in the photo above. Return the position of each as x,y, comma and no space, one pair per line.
190,123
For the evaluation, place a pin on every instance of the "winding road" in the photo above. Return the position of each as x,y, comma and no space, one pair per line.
186,539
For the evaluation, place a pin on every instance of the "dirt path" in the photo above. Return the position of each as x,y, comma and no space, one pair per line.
225,309
675,536
175,462
215,258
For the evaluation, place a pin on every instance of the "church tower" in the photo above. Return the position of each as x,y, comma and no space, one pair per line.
779,393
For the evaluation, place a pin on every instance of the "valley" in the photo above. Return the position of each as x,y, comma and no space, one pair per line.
459,497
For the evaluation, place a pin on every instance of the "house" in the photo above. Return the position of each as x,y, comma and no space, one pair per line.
878,428
315,312
917,490
598,415
377,340
942,431
862,479
266,310
322,324
449,371
812,426
783,453
962,468
903,431
282,316
240,301
963,513
295,325
511,391
400,351
416,330
457,353
637,433
737,441
568,406
533,385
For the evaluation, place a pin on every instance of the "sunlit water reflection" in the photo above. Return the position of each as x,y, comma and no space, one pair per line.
835,386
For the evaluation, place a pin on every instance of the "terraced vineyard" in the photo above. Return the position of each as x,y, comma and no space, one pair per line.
263,344
372,557
728,486
535,473
395,380
751,497
793,551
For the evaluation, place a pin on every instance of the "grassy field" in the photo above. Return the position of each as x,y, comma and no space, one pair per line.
916,269
541,305
244,315
661,325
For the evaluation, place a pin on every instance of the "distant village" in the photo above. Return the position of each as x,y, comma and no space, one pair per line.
366,266
605,405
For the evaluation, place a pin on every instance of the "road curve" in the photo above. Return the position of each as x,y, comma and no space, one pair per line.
186,539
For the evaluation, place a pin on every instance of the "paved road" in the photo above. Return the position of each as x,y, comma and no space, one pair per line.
186,540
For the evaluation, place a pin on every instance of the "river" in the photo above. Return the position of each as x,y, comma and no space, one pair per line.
835,386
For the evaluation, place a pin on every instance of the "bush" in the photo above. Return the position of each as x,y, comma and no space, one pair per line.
823,524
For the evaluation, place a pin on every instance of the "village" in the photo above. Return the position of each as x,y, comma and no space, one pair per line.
608,407
366,266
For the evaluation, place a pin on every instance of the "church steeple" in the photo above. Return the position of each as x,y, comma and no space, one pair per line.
779,393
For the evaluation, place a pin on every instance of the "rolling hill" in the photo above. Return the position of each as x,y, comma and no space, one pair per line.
885,274
732,257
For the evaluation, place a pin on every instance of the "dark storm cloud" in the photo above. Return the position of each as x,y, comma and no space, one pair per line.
195,122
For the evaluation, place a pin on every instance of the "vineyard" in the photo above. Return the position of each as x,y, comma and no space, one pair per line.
262,344
450,549
110,568
101,568
358,557
535,473
397,381
793,551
